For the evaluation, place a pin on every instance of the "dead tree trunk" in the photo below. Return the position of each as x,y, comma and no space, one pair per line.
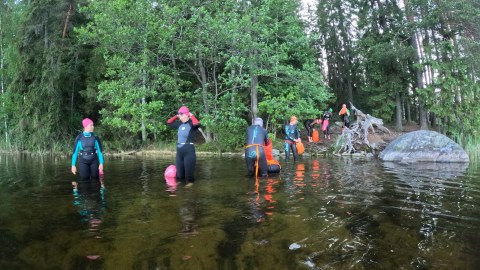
357,134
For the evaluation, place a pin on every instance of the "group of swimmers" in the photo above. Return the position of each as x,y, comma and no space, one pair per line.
89,152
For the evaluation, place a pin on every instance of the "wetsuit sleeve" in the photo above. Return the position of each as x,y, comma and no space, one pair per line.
172,122
98,146
266,137
76,149
298,132
195,122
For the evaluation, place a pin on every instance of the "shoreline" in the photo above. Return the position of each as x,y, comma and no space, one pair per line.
122,153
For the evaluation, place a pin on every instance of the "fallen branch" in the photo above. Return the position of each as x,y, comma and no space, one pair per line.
358,132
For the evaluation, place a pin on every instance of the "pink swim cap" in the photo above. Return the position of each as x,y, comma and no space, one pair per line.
184,110
86,122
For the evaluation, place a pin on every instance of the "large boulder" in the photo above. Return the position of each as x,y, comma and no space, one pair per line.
423,145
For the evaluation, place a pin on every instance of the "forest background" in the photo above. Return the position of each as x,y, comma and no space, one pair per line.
129,65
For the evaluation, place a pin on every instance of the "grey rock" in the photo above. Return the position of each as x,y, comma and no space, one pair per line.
275,152
423,146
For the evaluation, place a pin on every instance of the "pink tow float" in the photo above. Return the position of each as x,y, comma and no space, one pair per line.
170,172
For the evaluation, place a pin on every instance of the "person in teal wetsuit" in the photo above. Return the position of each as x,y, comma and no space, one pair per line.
89,147
292,135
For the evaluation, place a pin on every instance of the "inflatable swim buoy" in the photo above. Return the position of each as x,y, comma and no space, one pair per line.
315,135
325,124
170,171
171,181
273,166
268,150
300,148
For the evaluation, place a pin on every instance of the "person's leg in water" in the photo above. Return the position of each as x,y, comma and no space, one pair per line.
286,147
179,164
262,163
85,171
190,160
294,152
250,158
94,169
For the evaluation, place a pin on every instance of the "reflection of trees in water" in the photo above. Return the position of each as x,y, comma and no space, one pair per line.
429,198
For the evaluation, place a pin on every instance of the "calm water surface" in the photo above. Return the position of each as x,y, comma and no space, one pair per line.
335,213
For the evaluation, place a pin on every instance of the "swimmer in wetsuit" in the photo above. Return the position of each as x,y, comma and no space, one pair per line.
309,123
89,147
345,114
186,159
327,115
292,136
257,136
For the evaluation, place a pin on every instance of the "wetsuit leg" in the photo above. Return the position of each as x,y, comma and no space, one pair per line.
250,158
189,162
347,121
286,147
308,128
250,166
84,168
294,152
262,163
179,163
94,168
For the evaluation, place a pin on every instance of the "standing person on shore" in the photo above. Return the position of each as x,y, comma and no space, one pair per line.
345,114
292,136
309,123
186,159
327,115
89,146
257,137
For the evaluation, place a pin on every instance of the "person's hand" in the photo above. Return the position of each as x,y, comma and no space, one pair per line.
190,114
74,170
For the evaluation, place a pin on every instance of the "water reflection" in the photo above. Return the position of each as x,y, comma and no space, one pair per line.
171,185
335,213
262,202
89,198
187,212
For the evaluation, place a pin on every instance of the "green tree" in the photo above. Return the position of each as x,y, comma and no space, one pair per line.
132,38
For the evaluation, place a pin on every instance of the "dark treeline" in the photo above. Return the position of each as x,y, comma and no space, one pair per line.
129,65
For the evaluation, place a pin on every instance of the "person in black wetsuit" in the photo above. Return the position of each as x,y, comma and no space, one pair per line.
187,125
89,146
345,114
327,115
309,123
257,136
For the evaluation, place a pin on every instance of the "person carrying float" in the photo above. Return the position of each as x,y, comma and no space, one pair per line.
345,114
309,123
185,161
327,115
292,136
256,138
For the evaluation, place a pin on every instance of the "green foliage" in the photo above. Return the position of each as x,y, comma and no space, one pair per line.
131,65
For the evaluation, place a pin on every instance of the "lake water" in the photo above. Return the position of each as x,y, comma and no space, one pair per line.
335,213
